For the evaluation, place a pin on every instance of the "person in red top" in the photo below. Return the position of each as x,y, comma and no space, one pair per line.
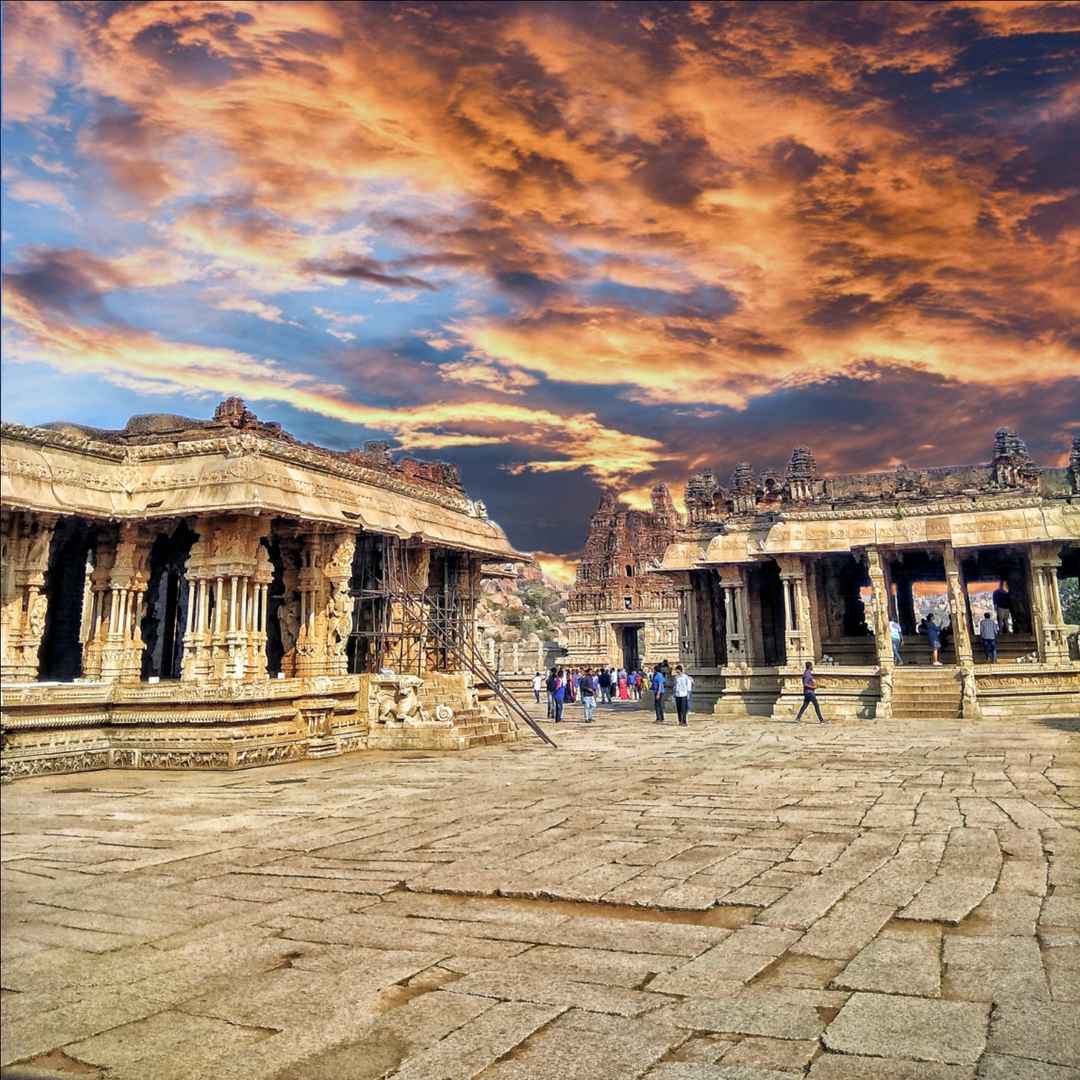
809,694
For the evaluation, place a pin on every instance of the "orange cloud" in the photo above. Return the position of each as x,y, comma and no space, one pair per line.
559,568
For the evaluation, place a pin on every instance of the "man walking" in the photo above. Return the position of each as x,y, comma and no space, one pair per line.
537,686
587,689
659,685
809,694
683,685
988,635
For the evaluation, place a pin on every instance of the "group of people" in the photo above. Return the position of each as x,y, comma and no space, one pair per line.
991,626
568,685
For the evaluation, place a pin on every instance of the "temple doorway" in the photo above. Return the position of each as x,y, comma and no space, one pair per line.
919,590
845,606
162,626
630,645
998,578
766,595
60,656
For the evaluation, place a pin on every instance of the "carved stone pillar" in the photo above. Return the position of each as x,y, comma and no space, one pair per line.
118,644
879,587
798,614
326,605
737,609
229,574
1047,617
24,560
965,657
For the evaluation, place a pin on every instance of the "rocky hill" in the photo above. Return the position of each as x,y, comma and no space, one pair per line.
521,618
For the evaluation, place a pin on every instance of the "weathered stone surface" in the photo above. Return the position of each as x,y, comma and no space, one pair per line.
466,1052
950,1032
900,964
854,1067
750,1013
1041,1030
360,985
994,969
587,1047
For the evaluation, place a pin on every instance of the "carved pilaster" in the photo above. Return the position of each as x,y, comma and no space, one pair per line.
117,644
229,574
798,614
965,658
879,586
26,540
1047,617
326,606
737,609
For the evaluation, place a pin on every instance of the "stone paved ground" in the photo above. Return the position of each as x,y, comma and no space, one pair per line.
752,902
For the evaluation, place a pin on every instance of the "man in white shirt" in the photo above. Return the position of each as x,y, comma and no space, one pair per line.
537,685
681,690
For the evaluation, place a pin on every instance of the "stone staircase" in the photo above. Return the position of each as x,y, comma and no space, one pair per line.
926,693
480,729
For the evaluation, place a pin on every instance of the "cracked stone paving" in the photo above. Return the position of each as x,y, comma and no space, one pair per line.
751,901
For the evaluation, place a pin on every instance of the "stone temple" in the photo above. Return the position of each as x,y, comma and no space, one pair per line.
777,570
620,614
215,594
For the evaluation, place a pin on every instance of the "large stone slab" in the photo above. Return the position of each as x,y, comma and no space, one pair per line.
884,1025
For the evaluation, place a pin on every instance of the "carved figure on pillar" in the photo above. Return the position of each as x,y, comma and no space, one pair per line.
1048,619
26,542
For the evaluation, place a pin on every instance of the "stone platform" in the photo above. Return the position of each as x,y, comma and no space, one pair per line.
750,901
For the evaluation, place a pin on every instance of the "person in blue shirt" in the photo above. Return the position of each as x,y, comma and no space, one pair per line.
659,685
809,693
559,694
588,687
933,639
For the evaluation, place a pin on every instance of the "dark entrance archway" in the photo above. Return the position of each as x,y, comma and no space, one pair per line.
162,626
60,656
766,595
630,645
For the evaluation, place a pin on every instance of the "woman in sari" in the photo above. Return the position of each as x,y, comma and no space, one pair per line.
624,694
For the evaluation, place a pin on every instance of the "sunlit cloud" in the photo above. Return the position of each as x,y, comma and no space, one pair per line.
561,240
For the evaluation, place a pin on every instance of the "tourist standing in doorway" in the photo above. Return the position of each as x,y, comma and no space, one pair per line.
537,685
988,635
809,694
1003,608
587,688
559,694
658,686
933,639
681,692
896,636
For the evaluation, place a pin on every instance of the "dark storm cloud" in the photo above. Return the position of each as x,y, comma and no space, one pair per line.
371,271
68,282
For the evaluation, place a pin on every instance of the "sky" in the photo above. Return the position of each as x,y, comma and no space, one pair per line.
570,247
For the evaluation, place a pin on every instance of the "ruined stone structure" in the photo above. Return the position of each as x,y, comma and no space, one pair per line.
777,570
619,614
215,594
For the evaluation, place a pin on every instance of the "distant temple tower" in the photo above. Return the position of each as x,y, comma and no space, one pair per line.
620,615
